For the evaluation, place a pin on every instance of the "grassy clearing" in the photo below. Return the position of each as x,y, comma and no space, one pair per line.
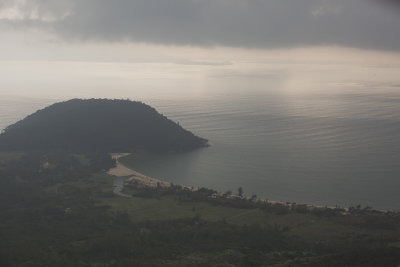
166,208
76,214
8,156
305,226
83,160
148,209
101,182
308,227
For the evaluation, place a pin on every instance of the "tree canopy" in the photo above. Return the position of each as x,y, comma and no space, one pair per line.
99,125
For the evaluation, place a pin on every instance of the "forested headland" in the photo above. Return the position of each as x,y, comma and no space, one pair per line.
98,125
57,206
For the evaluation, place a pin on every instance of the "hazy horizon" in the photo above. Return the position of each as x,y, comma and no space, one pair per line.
199,38
310,60
298,100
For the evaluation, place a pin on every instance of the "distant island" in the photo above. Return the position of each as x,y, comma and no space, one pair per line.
99,125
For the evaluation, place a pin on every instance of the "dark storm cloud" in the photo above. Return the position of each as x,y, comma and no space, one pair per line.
243,23
389,2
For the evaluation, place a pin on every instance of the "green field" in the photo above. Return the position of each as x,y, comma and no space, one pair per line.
6,156
67,215
306,226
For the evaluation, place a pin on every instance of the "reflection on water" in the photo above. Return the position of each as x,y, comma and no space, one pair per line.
290,158
284,136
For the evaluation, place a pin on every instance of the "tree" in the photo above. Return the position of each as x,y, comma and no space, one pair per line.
240,191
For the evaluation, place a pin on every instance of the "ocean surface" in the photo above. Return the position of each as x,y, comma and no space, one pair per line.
307,137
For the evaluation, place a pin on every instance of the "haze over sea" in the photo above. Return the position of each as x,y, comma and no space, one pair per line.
324,134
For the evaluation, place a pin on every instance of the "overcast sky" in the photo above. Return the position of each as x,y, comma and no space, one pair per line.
54,46
365,24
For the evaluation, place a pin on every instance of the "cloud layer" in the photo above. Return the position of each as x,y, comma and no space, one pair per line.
239,23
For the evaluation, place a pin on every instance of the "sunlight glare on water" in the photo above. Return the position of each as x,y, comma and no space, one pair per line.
307,133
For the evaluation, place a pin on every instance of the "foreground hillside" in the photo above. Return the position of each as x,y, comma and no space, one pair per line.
58,209
98,124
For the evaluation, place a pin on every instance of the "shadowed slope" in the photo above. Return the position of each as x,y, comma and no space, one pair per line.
99,125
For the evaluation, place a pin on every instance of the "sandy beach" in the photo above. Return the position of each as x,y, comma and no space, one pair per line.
121,170
133,177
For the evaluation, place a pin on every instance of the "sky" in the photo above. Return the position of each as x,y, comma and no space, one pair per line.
330,59
370,24
198,32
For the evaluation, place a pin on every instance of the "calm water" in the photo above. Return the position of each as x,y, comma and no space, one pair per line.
328,141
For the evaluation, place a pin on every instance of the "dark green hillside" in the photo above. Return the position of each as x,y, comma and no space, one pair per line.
58,209
99,124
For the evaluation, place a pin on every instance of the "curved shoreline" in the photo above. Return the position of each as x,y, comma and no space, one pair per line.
130,176
133,176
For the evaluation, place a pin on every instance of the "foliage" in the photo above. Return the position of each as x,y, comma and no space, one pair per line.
57,209
98,125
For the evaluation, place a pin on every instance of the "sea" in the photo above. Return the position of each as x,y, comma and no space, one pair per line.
321,134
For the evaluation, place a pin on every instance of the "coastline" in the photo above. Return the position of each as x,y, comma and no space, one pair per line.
130,176
127,176
133,176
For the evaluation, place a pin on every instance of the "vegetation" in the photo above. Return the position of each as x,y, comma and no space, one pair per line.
58,209
57,206
98,125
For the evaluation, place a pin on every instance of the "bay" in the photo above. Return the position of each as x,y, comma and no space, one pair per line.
329,141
